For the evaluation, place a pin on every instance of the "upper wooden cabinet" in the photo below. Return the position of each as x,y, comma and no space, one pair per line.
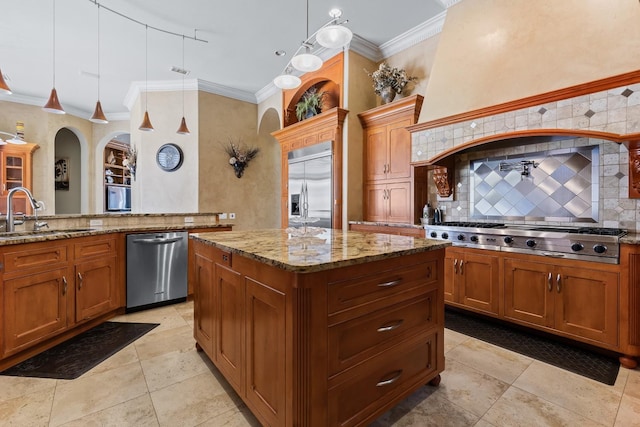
387,161
15,164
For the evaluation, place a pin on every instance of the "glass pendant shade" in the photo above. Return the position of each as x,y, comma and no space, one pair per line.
98,115
4,87
53,105
287,81
334,36
306,62
183,129
146,123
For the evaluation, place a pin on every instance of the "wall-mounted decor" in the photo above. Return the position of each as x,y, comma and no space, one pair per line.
169,157
239,156
62,173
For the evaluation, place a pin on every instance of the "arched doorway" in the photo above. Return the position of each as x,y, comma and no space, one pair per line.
68,173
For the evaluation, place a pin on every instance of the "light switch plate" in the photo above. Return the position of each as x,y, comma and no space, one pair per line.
95,223
188,220
232,215
223,216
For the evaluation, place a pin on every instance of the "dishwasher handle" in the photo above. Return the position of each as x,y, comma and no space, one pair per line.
158,241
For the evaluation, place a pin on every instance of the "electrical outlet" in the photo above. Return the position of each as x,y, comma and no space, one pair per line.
95,223
223,216
232,215
188,220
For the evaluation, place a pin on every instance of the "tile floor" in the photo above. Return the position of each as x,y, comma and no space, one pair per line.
160,380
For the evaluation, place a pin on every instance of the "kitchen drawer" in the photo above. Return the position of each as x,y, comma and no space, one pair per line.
384,288
91,247
222,257
36,256
355,395
355,340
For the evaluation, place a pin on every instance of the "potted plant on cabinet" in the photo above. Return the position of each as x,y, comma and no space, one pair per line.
310,104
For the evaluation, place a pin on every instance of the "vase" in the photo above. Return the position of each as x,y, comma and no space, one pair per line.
387,94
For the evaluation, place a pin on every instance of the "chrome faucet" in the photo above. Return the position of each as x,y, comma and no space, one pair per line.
34,204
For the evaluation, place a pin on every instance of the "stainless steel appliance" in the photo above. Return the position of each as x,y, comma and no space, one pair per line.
310,184
156,269
583,243
118,198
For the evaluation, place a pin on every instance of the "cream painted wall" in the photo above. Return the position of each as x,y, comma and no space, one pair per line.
155,190
359,97
495,51
254,198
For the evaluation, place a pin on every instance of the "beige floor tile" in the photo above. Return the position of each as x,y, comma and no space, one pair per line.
12,387
176,339
472,390
167,316
594,400
502,364
94,393
452,339
193,401
28,409
517,407
629,412
632,387
240,417
138,412
426,408
123,357
483,423
170,368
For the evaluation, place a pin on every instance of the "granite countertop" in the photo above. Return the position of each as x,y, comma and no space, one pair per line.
318,249
631,239
20,237
387,224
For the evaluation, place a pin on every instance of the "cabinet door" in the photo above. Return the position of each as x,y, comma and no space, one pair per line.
377,153
399,163
399,202
35,308
479,282
95,287
587,304
229,318
529,292
451,260
266,351
12,171
376,202
203,308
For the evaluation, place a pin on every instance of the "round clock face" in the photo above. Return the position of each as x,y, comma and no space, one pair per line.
169,157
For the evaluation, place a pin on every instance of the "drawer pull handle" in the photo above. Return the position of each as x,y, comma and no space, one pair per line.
461,264
64,289
390,284
549,281
225,257
391,380
390,326
455,266
79,280
558,283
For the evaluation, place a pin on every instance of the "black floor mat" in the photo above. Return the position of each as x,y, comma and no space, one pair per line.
578,360
74,357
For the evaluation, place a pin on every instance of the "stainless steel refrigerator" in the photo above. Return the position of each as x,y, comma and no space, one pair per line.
310,185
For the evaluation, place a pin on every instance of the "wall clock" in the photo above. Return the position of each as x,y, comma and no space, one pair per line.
169,157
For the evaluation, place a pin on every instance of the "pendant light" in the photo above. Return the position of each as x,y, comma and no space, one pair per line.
183,129
334,36
287,80
53,104
98,115
4,87
146,123
307,61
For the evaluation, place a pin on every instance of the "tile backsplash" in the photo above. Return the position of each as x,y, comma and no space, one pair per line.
615,110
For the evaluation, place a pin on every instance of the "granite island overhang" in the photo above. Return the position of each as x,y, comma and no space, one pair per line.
320,327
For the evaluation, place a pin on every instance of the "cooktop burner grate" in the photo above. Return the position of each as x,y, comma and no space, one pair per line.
471,224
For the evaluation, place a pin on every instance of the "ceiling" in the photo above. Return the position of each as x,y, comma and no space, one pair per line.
241,35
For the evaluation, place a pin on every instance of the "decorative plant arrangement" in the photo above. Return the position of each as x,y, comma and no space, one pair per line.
239,156
388,81
310,104
130,160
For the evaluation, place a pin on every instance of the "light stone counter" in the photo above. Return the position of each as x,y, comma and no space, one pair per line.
319,249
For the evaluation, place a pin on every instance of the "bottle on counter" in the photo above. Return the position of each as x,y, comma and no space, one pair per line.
427,214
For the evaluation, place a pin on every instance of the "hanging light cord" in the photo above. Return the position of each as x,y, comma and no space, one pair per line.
54,44
183,76
98,52
146,67
195,36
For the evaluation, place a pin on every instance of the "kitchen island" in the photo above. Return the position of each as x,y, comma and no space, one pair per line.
317,327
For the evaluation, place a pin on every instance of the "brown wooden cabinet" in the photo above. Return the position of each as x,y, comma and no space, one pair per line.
55,289
389,193
16,171
472,279
333,347
576,300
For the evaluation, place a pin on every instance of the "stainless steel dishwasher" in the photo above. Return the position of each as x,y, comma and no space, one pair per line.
156,269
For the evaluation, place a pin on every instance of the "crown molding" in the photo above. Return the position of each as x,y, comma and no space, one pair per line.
217,89
137,87
448,3
414,36
366,48
39,102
